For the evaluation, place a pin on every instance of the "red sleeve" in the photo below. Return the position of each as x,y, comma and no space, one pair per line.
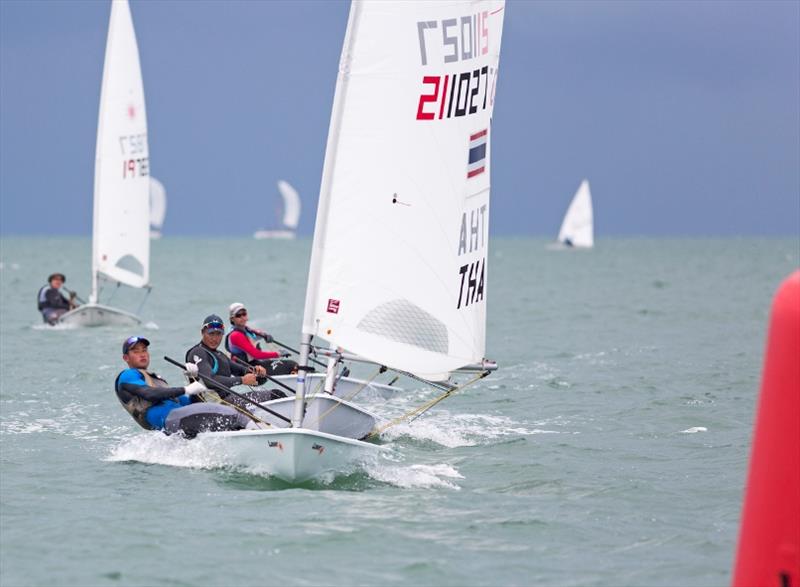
243,342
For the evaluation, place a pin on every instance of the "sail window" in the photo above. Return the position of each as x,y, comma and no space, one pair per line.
132,264
401,321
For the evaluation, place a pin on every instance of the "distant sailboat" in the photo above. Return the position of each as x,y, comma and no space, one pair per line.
120,234
577,230
158,207
291,214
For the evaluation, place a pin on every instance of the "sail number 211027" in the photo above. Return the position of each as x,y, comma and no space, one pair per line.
451,40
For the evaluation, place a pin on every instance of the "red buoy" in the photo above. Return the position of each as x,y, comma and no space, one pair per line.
769,538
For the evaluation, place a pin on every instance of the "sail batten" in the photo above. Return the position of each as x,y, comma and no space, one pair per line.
399,263
122,183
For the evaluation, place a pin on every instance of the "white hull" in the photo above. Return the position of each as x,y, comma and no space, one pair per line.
98,315
565,247
295,454
346,387
324,413
277,234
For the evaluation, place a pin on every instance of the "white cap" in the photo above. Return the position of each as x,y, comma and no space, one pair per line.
235,307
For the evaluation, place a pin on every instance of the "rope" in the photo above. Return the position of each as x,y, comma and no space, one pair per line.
320,387
418,411
215,398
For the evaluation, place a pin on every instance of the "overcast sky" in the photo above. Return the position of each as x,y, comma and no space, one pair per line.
684,115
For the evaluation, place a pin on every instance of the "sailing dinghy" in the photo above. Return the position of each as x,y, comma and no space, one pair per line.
398,270
158,207
120,234
577,229
291,214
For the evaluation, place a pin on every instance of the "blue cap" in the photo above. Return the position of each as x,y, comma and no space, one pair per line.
213,322
129,342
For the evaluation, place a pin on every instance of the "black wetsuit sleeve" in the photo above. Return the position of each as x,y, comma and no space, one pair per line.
54,300
228,381
204,367
238,369
151,394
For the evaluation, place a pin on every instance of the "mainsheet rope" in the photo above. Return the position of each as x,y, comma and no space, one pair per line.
418,411
212,396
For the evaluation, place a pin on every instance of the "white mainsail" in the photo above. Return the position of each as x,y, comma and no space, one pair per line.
398,270
121,239
291,204
577,229
158,206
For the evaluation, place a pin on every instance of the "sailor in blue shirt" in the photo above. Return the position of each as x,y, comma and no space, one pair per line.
156,406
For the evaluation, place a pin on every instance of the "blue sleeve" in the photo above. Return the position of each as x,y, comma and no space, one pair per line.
132,376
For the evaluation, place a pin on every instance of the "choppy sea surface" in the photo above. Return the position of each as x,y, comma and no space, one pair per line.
609,449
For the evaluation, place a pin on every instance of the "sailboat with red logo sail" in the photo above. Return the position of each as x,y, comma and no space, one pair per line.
397,276
121,231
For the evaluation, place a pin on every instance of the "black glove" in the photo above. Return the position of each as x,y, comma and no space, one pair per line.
285,354
267,337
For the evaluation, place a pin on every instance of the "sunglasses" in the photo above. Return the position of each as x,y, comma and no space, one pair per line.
214,326
240,314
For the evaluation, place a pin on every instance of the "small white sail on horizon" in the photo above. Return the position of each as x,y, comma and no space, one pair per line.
291,214
120,233
577,229
158,207
291,204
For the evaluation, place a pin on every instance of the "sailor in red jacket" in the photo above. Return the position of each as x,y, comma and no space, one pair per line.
243,343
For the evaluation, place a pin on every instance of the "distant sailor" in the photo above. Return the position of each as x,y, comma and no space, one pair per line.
156,406
213,363
52,303
242,342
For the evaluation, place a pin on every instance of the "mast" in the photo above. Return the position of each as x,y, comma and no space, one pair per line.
320,226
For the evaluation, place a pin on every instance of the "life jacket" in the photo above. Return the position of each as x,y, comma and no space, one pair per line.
42,297
42,303
137,406
235,351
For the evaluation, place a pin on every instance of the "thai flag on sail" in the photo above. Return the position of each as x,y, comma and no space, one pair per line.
477,153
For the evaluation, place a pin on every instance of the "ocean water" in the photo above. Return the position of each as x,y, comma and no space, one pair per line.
609,449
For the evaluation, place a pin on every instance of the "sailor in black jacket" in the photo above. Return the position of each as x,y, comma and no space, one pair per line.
215,364
51,302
